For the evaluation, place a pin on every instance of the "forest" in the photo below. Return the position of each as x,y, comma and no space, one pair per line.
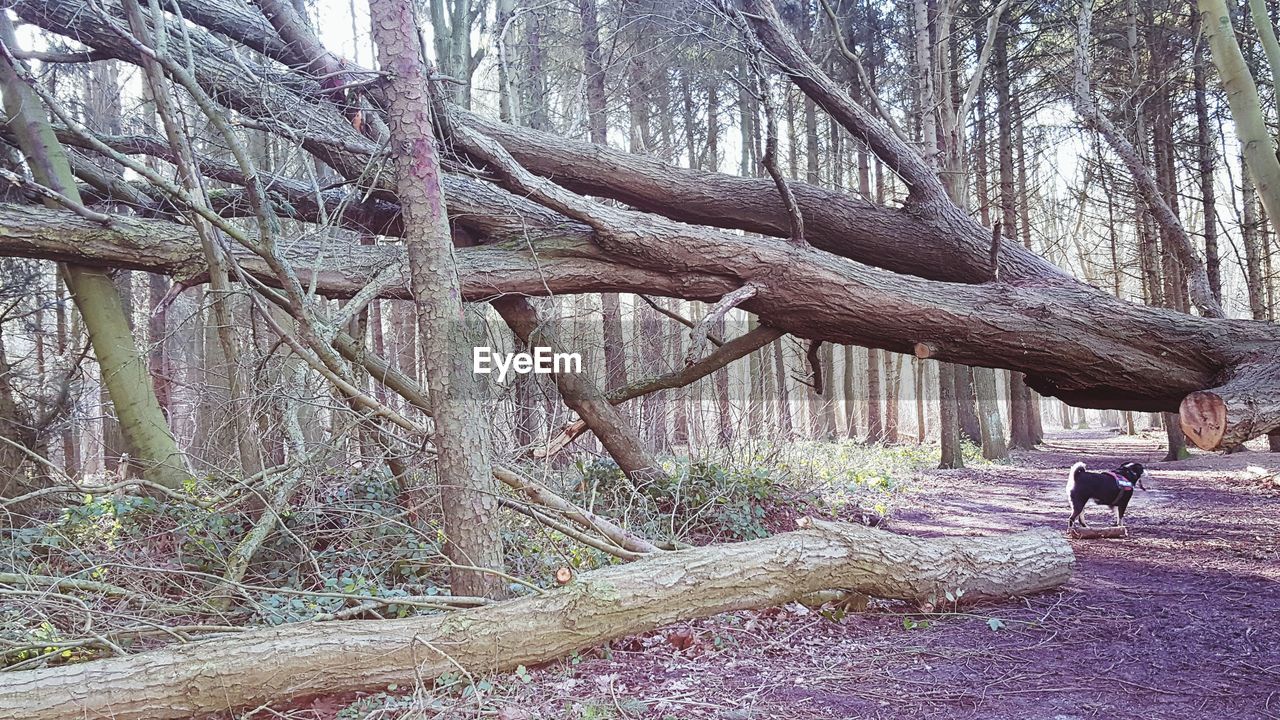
613,359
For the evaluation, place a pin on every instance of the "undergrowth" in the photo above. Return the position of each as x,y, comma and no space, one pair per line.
347,538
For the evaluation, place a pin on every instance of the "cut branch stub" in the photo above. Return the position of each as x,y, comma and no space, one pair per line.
1244,407
1203,416
924,351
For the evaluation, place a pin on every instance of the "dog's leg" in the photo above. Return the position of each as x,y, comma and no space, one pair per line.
1077,514
1078,505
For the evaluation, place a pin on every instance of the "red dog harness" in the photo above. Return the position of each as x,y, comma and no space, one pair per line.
1121,482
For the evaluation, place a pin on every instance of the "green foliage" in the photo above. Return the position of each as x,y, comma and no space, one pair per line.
913,624
724,499
43,639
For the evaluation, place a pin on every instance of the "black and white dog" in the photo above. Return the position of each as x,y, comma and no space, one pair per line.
1109,487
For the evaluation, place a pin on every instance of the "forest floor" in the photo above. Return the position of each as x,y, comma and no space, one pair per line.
1180,620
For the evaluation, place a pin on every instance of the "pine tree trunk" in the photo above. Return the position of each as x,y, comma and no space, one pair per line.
467,490
850,392
875,406
1205,159
892,387
948,421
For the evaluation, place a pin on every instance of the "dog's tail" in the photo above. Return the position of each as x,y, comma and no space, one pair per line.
1071,475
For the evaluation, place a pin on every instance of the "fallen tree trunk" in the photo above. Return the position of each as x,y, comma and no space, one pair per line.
617,435
276,664
734,349
1073,341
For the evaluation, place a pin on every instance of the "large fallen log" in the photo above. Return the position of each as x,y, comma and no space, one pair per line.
276,664
1074,342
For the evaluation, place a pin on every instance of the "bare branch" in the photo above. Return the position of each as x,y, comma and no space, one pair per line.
924,185
1197,277
698,338
867,88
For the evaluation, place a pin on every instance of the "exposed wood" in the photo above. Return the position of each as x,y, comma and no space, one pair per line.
1245,406
273,664
1080,533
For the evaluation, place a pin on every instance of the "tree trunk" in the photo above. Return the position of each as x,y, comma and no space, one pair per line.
1205,157
467,491
892,387
948,421
1246,107
599,414
1250,229
993,443
850,392
615,353
918,390
1077,344
875,417
724,402
124,369
273,665
1020,432
967,406
786,423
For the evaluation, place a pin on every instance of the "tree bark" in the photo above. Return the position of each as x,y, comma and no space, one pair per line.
467,490
597,412
1158,203
277,664
1246,107
1079,344
875,417
124,369
948,422
1062,332
892,388
1205,160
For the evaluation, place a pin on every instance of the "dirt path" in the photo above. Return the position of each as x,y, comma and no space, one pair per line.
1180,621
